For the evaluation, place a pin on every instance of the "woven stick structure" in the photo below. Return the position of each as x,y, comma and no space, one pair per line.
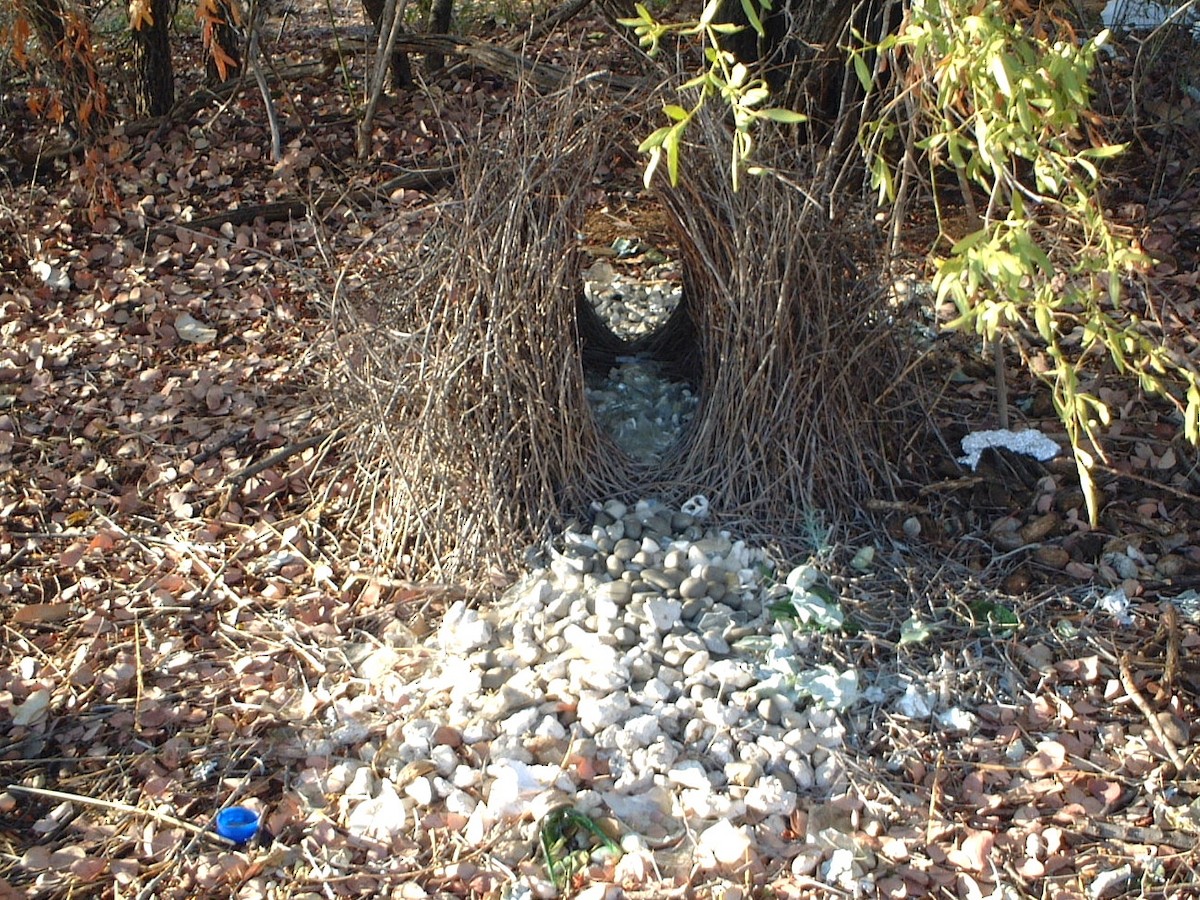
482,438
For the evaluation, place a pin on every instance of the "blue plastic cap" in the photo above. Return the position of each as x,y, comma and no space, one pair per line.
238,823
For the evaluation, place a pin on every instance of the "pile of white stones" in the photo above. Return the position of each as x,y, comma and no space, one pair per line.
632,307
634,674
643,411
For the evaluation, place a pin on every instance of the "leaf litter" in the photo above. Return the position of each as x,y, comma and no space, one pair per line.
190,622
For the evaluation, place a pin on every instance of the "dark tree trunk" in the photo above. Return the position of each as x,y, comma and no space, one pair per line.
155,79
438,23
401,70
226,39
800,54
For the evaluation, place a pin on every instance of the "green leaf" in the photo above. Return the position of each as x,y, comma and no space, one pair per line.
998,66
676,113
862,71
1108,151
996,615
1044,318
671,145
914,631
754,96
750,8
786,116
654,140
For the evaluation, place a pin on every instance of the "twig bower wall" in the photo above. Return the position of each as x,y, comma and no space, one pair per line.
481,427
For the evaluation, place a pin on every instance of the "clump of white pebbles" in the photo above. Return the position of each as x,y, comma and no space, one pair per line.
636,673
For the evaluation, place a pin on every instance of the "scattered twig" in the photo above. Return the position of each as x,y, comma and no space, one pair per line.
1143,705
1149,482
239,478
1169,629
198,830
430,179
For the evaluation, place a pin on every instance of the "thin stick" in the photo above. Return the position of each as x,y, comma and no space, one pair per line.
198,830
238,479
1143,705
1001,382
389,30
1150,482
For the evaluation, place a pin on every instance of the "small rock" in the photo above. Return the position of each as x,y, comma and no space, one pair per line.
724,844
599,711
689,774
769,797
1039,528
664,613
743,774
616,592
1052,557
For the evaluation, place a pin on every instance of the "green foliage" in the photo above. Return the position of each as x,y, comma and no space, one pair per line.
1006,108
724,78
994,617
562,829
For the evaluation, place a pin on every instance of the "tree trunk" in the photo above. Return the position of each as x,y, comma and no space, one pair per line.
438,23
155,79
401,70
800,53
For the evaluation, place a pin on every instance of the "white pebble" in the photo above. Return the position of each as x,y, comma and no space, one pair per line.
420,790
768,796
598,711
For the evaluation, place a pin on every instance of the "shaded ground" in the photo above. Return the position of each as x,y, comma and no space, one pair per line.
187,607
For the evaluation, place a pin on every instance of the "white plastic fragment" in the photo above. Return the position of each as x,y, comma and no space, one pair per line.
381,818
696,507
1116,604
1110,883
915,704
956,719
1030,443
829,687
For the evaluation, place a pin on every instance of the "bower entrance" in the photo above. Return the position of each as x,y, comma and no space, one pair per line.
642,369
482,427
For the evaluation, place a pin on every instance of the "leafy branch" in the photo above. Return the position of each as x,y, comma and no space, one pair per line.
1006,108
725,78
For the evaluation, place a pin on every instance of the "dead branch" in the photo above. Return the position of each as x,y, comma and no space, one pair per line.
295,207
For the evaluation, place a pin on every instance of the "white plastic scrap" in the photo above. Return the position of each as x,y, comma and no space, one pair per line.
829,687
956,719
1110,883
915,704
1030,443
1188,603
696,507
812,608
1116,604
